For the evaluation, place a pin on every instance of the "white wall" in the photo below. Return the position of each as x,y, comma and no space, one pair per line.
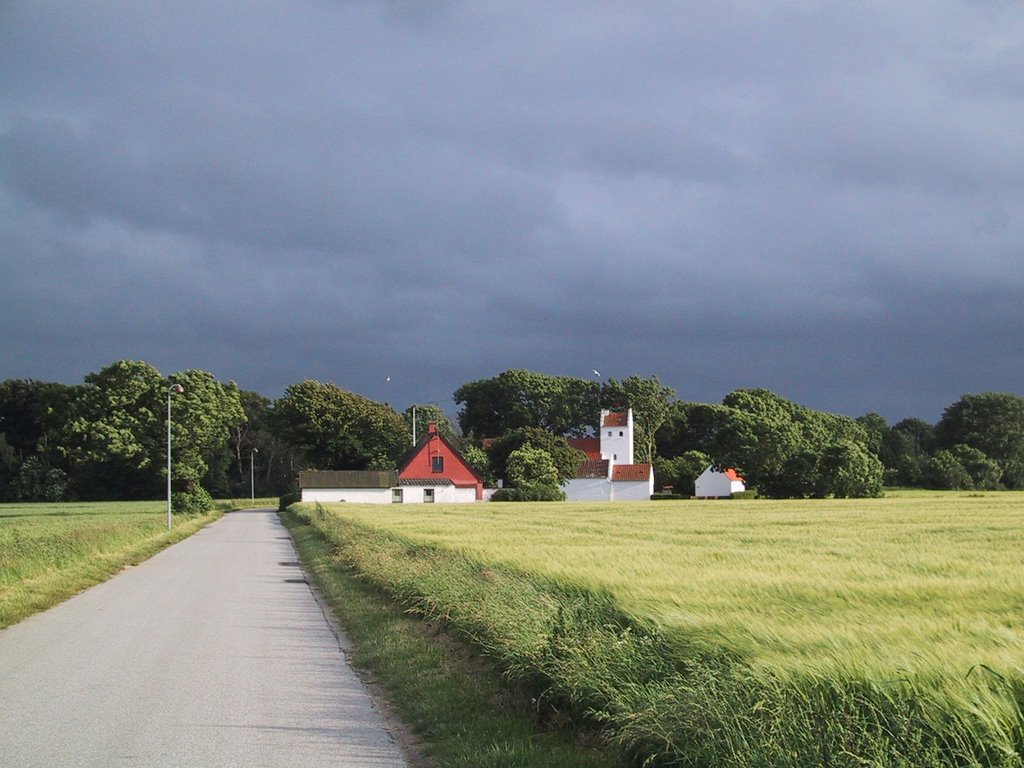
630,490
411,494
443,494
353,495
587,489
712,484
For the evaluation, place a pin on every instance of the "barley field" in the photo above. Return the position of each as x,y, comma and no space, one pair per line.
904,613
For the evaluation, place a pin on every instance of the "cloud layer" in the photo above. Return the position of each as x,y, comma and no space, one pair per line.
822,201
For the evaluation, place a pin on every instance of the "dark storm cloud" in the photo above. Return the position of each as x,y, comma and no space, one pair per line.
821,200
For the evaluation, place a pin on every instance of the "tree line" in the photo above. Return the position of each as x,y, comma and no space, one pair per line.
106,438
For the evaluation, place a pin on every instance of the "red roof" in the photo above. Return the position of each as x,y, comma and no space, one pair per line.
616,419
589,445
631,472
593,468
731,474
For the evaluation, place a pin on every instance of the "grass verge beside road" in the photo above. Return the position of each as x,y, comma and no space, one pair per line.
461,709
50,552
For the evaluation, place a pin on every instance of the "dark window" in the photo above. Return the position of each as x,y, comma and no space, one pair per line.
620,433
428,495
396,495
437,464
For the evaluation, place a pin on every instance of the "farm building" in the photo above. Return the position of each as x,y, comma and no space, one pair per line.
434,471
715,484
608,473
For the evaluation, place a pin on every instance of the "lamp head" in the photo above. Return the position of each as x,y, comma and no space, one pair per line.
176,388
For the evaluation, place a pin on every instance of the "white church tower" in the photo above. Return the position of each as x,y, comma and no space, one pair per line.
617,437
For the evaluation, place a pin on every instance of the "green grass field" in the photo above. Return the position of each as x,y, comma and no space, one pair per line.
891,625
49,552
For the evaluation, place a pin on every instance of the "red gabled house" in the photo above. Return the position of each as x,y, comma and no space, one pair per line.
435,463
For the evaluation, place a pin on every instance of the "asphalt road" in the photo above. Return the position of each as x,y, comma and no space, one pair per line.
212,653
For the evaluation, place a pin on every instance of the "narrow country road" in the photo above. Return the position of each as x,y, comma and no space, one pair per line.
212,653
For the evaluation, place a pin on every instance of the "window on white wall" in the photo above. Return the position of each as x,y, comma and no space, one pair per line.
396,495
428,495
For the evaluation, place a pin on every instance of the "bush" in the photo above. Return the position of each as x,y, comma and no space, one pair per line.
288,499
529,493
192,501
667,497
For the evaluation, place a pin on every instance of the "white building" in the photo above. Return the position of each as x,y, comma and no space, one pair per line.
608,473
713,484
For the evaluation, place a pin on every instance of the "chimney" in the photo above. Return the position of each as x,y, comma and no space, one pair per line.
432,428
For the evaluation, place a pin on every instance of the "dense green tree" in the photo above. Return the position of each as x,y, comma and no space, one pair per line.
274,460
779,446
945,472
529,466
476,457
491,408
690,427
32,413
759,437
38,482
651,402
901,458
332,428
985,473
680,472
799,478
203,416
115,438
566,458
8,471
991,422
849,470
875,428
920,432
962,468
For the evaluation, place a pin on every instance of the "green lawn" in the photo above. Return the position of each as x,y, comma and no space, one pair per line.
49,552
904,613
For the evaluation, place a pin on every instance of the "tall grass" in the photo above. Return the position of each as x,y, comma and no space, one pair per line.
49,552
884,632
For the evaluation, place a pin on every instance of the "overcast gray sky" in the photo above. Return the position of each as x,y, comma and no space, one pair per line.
824,199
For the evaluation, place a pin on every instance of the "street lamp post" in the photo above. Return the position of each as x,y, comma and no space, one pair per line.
252,473
171,389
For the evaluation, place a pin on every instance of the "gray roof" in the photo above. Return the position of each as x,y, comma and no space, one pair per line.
346,478
425,481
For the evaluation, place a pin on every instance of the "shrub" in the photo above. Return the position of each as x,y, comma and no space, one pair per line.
288,499
191,501
750,493
529,493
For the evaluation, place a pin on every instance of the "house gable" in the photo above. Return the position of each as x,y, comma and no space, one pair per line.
434,458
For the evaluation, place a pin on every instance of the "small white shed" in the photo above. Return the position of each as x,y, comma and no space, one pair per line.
713,484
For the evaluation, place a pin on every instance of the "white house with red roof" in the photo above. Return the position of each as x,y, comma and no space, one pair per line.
608,473
718,484
433,471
